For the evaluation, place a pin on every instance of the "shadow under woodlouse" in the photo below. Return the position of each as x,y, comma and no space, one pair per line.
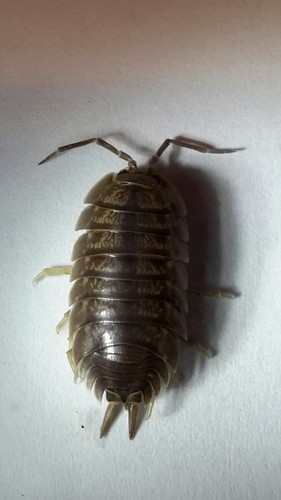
200,195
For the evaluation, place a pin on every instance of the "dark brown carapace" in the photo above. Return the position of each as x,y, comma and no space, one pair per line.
128,299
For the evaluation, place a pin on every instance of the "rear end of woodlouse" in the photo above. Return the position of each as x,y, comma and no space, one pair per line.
128,300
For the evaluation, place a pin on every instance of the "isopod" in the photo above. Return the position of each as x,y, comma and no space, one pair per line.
128,301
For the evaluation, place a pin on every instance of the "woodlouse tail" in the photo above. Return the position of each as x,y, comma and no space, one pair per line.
111,414
109,417
133,411
133,406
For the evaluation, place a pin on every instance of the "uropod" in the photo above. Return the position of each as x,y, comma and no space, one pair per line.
128,303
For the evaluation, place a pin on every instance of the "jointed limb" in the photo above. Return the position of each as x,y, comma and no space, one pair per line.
52,271
61,324
214,292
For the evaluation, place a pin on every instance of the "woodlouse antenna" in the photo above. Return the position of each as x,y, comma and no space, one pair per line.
132,166
201,147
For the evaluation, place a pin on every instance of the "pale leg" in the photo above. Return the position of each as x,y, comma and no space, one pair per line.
52,271
214,292
209,292
61,324
200,348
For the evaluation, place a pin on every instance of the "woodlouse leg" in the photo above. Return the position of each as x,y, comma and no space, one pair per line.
198,347
51,271
201,147
71,360
100,142
214,292
210,292
111,413
61,324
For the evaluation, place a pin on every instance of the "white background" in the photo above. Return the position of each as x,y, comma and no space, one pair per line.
136,73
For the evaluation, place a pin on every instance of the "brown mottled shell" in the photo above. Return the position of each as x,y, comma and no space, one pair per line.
128,300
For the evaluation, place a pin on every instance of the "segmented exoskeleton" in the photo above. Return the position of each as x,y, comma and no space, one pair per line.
128,299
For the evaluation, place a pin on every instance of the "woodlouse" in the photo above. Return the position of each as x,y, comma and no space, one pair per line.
128,301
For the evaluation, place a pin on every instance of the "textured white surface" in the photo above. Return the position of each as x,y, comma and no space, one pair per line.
143,72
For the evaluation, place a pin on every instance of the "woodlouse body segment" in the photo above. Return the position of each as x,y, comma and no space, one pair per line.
128,300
